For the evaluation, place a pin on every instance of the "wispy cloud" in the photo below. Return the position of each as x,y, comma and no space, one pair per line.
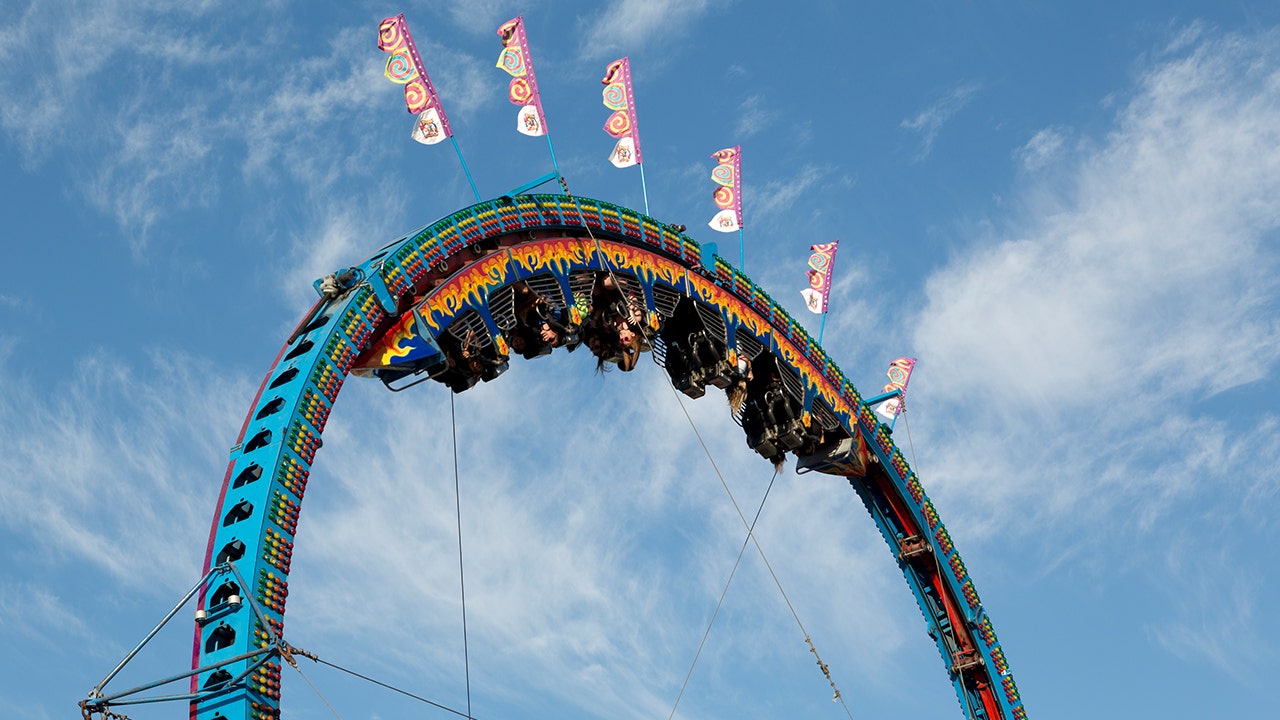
95,468
626,26
289,128
1092,302
754,115
776,198
142,156
1216,609
338,236
1042,149
33,611
51,85
1081,339
465,83
159,165
928,122
158,151
484,16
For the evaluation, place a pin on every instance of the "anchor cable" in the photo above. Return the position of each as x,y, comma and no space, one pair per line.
314,658
720,602
462,582
644,330
837,696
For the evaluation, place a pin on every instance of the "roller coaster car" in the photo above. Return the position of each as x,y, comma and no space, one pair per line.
468,362
433,367
761,435
465,377
771,419
837,457
771,415
694,358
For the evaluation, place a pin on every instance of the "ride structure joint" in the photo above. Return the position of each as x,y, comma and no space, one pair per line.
708,257
895,393
913,547
338,283
380,290
510,195
88,713
965,660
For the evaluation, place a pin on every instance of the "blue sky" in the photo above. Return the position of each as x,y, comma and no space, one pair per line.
1068,211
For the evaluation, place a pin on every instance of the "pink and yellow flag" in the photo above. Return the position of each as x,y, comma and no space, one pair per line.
728,175
404,67
899,375
819,290
622,123
523,91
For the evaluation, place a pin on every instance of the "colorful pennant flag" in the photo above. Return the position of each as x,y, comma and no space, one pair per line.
404,67
728,197
523,91
899,375
622,123
819,290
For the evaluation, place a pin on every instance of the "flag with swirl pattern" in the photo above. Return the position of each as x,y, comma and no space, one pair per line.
404,67
728,175
820,262
622,123
523,91
899,375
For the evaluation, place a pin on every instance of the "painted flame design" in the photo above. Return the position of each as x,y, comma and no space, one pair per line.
473,284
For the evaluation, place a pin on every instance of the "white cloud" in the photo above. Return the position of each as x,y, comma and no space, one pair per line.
754,116
1065,360
149,151
484,16
35,614
156,150
290,127
465,83
342,232
1042,149
928,122
1151,278
777,198
857,308
626,26
50,91
158,166
1215,605
98,469
52,97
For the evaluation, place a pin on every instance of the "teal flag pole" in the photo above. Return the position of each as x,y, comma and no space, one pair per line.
823,327
741,260
554,165
644,189
465,169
